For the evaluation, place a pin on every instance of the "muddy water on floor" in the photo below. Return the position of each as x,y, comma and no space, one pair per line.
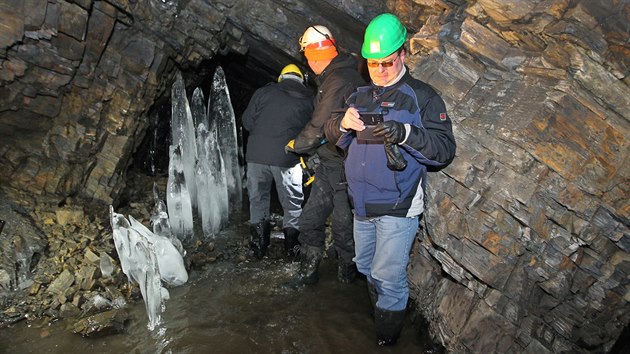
237,307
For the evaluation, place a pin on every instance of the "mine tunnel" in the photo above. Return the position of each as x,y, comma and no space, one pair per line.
526,245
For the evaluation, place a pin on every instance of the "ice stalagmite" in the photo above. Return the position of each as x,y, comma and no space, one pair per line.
170,262
198,109
160,222
183,133
138,261
211,183
178,199
222,115
208,212
217,179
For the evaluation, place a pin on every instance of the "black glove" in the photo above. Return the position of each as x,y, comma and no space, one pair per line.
395,159
392,131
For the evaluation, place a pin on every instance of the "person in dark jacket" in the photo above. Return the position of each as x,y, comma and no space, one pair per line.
276,113
386,167
337,77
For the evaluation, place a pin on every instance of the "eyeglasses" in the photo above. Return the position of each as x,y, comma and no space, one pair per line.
385,64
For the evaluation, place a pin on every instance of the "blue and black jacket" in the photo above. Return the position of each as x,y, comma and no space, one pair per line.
374,189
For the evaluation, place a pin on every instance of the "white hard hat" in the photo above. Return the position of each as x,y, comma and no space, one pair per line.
316,35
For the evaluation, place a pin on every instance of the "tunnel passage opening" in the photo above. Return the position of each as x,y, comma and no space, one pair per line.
244,75
151,157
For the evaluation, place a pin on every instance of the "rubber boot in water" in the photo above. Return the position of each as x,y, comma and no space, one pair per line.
310,257
346,272
291,244
373,296
259,241
388,326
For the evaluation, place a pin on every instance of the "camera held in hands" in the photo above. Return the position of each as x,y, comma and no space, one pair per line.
371,120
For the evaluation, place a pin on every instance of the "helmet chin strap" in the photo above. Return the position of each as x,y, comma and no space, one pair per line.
291,76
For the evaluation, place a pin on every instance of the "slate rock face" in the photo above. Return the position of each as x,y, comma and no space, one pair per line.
530,222
527,247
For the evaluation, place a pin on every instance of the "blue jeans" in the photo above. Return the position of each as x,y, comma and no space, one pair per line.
382,246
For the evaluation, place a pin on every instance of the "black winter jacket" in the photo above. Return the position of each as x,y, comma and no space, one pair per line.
334,86
276,114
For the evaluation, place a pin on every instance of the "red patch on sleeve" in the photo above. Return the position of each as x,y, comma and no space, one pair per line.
442,116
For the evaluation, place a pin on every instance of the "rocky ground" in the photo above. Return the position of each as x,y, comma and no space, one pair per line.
56,255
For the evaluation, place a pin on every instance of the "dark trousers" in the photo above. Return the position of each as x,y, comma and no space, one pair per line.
329,194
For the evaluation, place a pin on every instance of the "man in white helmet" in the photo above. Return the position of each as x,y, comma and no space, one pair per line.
276,112
337,77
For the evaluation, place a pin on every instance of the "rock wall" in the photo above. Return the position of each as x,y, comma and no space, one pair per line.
78,77
527,243
527,246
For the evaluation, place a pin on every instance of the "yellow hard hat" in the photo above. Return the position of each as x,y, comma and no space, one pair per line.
292,70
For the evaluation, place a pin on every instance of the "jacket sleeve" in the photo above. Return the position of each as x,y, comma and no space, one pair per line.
332,99
434,142
334,133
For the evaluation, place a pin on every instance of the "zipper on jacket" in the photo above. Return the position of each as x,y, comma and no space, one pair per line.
398,189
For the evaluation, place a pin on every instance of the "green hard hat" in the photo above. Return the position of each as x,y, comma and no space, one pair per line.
383,36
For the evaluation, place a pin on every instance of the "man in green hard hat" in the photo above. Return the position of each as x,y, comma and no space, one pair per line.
392,131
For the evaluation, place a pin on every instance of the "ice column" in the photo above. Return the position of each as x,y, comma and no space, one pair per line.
222,115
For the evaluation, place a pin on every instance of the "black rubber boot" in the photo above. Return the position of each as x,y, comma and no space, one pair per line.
310,257
388,326
346,272
291,244
373,296
259,241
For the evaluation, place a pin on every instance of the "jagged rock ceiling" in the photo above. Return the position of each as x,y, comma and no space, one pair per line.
528,242
77,75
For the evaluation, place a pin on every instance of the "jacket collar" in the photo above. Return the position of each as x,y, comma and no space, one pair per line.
403,76
342,60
